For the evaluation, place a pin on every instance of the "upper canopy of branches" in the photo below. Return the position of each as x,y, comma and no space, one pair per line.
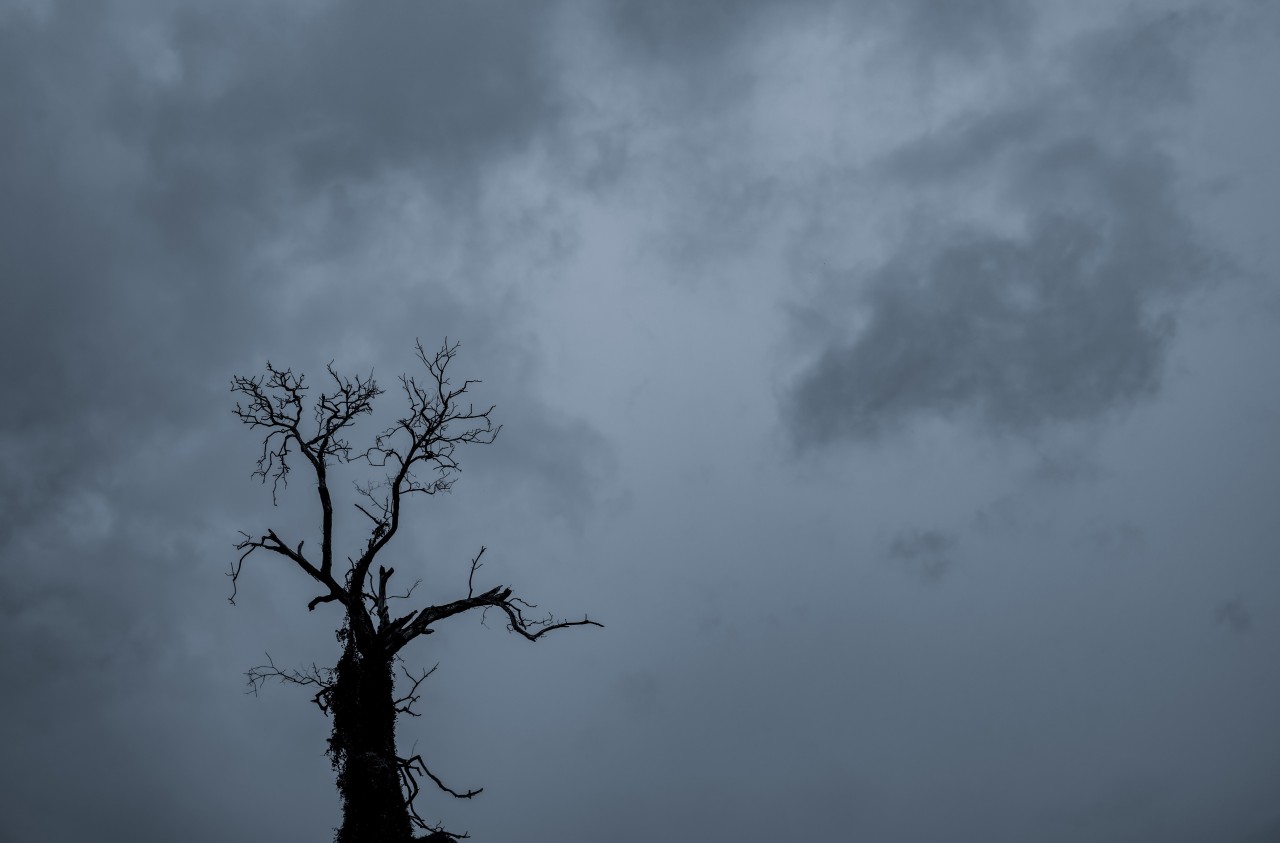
276,401
417,454
417,451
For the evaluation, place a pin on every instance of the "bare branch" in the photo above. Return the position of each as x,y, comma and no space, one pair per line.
422,443
275,403
401,631
404,704
535,629
412,767
273,543
338,410
475,566
320,677
408,592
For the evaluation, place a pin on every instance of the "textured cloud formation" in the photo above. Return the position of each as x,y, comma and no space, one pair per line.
1062,323
1061,312
669,29
173,161
1235,615
927,552
1004,215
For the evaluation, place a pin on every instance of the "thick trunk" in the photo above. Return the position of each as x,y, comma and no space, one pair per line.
363,749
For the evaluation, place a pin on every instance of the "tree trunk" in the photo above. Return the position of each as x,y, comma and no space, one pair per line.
363,747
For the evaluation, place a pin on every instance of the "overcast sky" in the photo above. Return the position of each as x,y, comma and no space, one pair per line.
895,379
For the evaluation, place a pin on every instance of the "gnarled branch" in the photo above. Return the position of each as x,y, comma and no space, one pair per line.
274,544
422,441
319,677
401,631
410,769
404,704
274,402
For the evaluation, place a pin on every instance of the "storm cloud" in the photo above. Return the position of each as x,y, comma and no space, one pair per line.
894,380
1057,301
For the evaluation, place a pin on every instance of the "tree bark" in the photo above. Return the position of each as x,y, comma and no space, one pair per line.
363,746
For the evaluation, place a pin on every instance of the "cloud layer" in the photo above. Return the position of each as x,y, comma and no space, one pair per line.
1060,305
893,379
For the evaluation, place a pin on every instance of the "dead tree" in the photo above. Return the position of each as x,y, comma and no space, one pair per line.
418,457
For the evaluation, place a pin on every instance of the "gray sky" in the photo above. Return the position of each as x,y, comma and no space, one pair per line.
896,381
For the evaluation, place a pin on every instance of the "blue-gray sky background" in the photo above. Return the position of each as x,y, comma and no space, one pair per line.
896,380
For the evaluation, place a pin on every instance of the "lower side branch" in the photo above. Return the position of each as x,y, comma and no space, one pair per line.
410,769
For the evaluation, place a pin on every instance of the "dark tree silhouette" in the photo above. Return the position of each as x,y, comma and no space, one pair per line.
377,785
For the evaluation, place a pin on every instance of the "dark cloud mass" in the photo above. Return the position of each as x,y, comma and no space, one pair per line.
928,552
162,154
1065,322
672,238
971,30
1063,316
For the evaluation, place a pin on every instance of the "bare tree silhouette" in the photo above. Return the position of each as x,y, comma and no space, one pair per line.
378,786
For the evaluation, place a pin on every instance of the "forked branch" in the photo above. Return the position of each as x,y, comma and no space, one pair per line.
402,630
275,402
418,450
274,544
404,704
322,678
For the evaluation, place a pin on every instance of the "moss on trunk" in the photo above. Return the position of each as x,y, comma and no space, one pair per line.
363,748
